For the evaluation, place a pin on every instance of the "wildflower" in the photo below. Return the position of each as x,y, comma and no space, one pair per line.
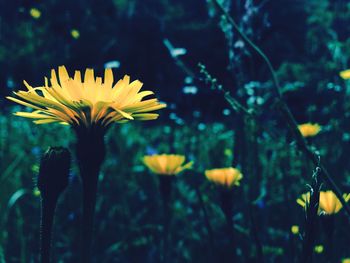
329,203
166,164
345,74
319,249
90,107
75,33
35,13
227,177
309,129
295,229
87,103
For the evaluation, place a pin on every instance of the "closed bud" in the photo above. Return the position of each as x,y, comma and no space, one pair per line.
54,171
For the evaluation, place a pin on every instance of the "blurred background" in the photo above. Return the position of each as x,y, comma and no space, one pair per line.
161,43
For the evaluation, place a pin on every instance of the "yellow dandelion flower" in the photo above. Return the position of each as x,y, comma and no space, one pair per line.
75,33
329,203
224,176
345,74
309,129
35,13
85,103
294,229
166,164
319,249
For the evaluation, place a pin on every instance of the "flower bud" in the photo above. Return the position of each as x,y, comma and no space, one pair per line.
54,171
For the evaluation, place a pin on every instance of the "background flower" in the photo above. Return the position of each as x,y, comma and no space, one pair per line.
166,164
224,176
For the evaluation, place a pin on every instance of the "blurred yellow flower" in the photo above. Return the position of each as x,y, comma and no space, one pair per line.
224,176
35,13
36,192
295,229
166,164
309,129
345,74
304,199
345,260
319,249
75,33
329,203
86,103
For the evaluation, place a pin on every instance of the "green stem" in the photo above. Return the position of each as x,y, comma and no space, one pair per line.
48,206
165,187
89,203
90,155
206,220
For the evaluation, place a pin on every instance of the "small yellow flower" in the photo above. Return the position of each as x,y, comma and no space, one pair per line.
87,103
166,164
319,249
35,13
309,129
227,177
75,33
304,199
329,203
345,74
345,260
295,229
36,192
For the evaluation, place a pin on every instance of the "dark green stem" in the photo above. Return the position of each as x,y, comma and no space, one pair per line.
206,220
311,219
89,203
165,187
48,206
227,209
328,224
90,155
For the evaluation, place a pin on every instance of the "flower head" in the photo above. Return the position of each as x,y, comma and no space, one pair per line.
294,229
329,202
309,129
87,102
166,164
319,249
227,177
35,13
345,74
75,33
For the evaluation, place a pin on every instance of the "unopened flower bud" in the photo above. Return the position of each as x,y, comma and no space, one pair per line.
54,171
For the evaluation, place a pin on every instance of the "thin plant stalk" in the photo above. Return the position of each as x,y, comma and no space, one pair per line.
165,187
206,220
311,220
227,208
48,206
285,111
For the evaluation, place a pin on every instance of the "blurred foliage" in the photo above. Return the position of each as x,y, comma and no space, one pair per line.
308,43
